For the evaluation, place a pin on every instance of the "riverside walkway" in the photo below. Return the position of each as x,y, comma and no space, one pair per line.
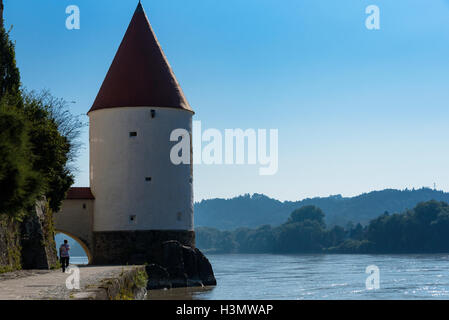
51,284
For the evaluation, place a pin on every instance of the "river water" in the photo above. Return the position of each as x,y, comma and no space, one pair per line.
294,277
267,276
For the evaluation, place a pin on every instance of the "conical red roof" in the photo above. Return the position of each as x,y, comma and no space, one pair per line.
140,74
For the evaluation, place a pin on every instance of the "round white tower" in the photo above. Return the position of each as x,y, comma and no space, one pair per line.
141,197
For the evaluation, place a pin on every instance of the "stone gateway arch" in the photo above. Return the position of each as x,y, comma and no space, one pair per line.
75,218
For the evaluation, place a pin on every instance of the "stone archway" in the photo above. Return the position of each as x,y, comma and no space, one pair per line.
80,241
75,220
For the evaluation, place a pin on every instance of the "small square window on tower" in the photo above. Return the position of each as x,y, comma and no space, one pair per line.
148,179
132,219
133,134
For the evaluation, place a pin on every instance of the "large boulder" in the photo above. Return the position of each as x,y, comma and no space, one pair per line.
158,277
181,266
205,271
172,260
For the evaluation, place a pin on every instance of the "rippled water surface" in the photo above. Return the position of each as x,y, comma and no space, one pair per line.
321,277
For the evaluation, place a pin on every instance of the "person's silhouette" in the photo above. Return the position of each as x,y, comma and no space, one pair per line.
64,255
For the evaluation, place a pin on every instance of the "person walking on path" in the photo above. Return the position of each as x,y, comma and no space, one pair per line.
64,255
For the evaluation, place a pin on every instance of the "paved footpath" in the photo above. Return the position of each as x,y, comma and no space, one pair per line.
51,284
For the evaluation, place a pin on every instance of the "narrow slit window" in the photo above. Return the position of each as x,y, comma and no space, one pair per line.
133,134
84,206
153,113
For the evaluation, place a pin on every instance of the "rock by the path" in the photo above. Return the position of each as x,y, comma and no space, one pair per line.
205,270
158,277
181,266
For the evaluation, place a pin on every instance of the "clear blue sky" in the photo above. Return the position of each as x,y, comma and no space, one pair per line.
357,110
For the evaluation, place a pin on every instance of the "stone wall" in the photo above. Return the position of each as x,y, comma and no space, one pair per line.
171,257
135,247
129,285
10,248
37,239
28,244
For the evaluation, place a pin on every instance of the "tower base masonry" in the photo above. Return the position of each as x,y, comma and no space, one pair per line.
136,247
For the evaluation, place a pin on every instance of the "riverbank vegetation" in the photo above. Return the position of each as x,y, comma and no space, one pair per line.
424,229
252,211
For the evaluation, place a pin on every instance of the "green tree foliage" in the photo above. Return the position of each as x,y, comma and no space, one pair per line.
303,232
216,241
335,236
259,240
425,229
305,213
50,149
356,232
20,185
38,140
306,236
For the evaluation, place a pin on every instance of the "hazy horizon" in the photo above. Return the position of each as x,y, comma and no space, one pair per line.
325,196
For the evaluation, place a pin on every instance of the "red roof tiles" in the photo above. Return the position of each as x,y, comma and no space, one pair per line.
80,193
140,74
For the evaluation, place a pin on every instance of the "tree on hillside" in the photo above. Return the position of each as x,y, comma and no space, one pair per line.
356,232
423,229
307,213
299,237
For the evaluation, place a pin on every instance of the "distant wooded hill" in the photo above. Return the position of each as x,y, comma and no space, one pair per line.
256,210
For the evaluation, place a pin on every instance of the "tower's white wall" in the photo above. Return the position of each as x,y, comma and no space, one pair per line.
119,165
